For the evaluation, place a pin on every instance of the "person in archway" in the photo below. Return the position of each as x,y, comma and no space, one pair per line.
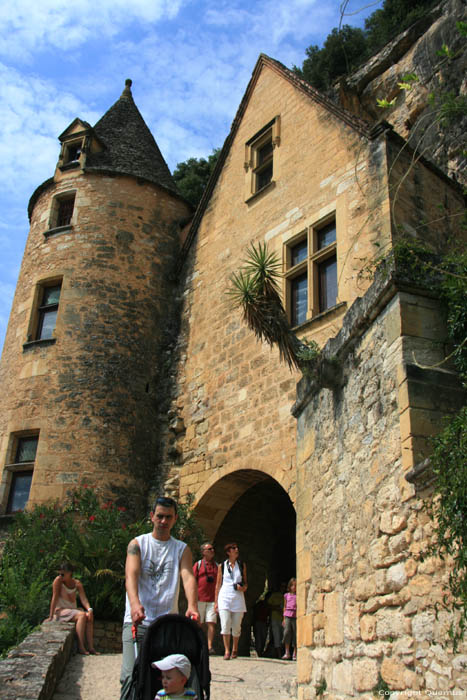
205,571
63,607
289,622
276,605
260,624
155,563
231,585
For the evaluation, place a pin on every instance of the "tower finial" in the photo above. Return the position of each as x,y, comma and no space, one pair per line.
127,90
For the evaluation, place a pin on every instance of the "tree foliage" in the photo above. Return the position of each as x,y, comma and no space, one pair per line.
347,47
191,176
341,52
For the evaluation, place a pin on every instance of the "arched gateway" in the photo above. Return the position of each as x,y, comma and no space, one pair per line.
251,508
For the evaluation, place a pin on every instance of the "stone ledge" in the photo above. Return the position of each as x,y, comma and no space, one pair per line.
32,670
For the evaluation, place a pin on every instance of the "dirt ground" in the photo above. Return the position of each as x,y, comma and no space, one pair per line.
91,677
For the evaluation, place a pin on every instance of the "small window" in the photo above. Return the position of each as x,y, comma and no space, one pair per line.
65,211
310,263
19,491
262,172
299,289
72,152
327,273
259,157
326,263
21,478
47,311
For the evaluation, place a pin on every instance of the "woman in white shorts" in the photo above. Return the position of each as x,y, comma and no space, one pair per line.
230,599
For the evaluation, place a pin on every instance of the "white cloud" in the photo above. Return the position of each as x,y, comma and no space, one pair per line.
33,112
26,25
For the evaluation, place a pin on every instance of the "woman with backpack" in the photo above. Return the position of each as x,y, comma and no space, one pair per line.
231,585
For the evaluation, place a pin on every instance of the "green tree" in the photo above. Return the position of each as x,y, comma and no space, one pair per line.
342,51
347,47
191,176
394,17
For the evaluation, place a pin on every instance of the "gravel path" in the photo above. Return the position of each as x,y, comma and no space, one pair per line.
97,678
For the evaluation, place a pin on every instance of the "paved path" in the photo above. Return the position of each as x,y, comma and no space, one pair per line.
96,678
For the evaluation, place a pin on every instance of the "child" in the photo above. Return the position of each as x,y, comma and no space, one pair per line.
176,669
289,622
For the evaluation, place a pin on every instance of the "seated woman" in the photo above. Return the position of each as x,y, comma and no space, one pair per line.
63,607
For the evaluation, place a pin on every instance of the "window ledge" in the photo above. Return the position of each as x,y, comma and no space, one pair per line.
57,230
40,341
318,317
69,166
20,466
267,187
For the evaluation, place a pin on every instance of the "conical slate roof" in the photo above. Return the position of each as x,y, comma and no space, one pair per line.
130,148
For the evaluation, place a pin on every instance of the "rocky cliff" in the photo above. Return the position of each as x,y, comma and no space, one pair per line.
439,71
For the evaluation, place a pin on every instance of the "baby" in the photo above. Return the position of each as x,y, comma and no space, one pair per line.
176,669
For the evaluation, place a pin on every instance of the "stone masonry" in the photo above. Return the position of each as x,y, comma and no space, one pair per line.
367,601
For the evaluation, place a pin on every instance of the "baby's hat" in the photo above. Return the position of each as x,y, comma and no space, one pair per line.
179,661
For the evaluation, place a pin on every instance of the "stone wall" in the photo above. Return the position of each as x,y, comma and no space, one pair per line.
366,601
108,636
32,670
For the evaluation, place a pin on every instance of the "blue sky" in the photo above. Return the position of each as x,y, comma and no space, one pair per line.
190,62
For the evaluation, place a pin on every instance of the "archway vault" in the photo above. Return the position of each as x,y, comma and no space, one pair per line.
251,508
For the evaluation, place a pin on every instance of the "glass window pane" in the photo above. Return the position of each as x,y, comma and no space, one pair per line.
47,322
326,235
264,177
327,272
299,299
264,153
51,295
26,450
19,493
299,252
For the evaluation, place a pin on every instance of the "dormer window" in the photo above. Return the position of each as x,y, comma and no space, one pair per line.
72,152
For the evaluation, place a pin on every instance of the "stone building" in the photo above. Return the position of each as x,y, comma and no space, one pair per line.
312,482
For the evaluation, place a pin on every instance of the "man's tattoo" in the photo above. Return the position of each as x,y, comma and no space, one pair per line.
133,548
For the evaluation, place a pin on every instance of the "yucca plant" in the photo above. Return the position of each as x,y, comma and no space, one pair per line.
255,289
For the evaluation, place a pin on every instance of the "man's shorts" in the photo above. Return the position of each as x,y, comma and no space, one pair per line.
206,612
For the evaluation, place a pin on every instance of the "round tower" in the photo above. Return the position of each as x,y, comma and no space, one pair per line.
81,359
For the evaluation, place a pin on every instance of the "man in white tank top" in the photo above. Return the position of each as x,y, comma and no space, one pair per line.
155,563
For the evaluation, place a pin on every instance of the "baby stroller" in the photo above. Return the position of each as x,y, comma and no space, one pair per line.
171,634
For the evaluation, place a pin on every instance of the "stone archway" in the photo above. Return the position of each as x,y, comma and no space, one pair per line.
252,509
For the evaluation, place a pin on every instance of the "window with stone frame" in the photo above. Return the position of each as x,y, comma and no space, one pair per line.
310,271
259,156
72,151
61,211
21,471
47,309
